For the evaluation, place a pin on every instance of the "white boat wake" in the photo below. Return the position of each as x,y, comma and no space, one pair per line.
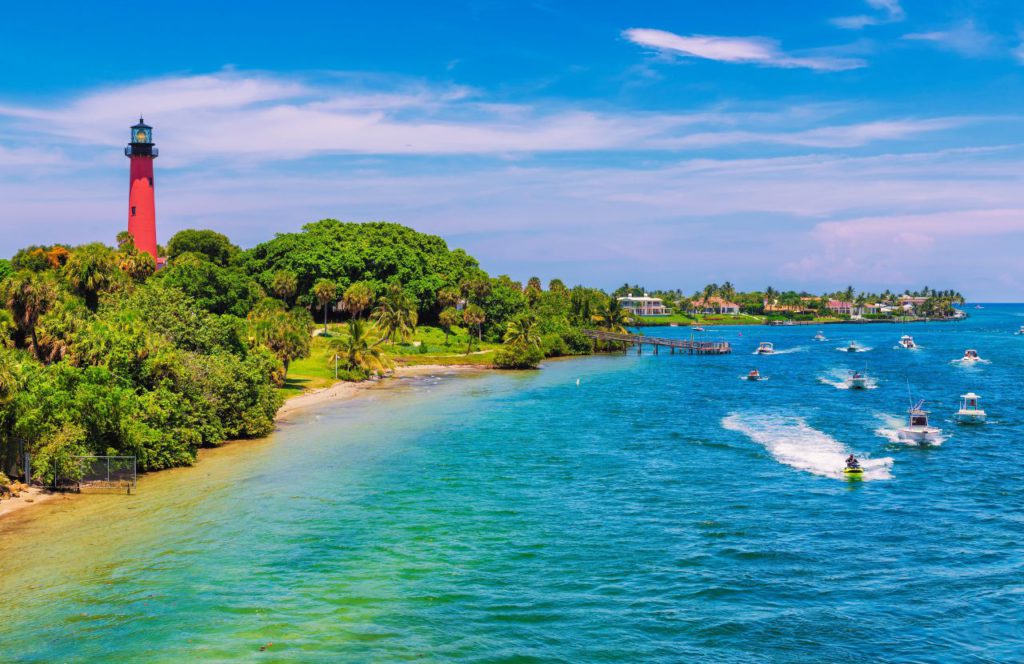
890,430
793,442
784,351
969,363
840,379
859,349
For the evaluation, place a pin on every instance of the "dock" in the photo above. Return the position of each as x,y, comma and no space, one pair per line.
688,346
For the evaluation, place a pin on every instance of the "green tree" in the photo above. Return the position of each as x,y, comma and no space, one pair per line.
358,351
28,295
358,298
395,314
91,269
326,293
473,316
523,330
283,285
448,319
217,248
285,333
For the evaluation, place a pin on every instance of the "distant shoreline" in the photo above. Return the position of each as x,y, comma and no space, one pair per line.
726,323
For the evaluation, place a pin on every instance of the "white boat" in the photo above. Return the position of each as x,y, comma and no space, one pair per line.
1020,331
765,348
858,381
820,336
918,430
698,328
970,355
970,412
907,341
754,375
853,347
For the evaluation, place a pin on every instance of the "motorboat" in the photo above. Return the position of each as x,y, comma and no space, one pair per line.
820,336
970,412
697,328
765,348
1020,331
970,355
754,375
907,341
918,430
673,324
853,347
858,381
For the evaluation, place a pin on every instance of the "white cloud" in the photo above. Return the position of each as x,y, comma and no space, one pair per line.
965,39
1019,53
891,12
741,50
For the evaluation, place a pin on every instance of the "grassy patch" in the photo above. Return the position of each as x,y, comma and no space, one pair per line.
426,347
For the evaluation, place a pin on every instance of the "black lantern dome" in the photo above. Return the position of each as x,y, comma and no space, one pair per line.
141,144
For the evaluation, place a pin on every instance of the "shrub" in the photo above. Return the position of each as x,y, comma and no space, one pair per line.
518,356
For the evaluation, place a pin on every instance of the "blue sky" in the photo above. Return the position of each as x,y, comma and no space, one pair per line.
799,144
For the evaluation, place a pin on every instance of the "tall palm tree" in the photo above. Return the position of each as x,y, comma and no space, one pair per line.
395,314
90,269
284,285
29,295
474,316
448,319
358,351
325,292
357,298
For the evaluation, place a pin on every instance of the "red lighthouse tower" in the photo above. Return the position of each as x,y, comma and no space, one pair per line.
141,206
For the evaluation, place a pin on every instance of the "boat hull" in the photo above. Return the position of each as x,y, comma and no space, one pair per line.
921,436
971,417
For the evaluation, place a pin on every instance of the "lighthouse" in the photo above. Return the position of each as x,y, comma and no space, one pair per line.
141,206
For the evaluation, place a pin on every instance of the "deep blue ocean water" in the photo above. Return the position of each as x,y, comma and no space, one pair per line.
661,510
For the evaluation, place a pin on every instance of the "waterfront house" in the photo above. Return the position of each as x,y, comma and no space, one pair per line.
644,306
717,305
840,308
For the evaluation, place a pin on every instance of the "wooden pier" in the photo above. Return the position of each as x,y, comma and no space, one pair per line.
683,345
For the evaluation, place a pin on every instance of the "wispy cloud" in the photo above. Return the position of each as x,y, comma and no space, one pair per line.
890,11
257,118
760,51
965,39
1019,52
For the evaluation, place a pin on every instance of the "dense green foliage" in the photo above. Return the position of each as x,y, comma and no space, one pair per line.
376,253
102,354
215,247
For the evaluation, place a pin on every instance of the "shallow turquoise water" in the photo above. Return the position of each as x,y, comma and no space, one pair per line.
661,510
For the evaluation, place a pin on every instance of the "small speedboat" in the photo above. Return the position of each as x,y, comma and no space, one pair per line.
754,375
918,430
853,347
858,381
970,412
820,336
970,355
765,348
1020,331
907,341
697,328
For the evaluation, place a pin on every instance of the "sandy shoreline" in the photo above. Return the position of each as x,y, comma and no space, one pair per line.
344,391
338,392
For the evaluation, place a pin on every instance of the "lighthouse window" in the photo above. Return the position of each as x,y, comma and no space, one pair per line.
133,210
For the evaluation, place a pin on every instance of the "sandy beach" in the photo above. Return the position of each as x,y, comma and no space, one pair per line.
339,392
